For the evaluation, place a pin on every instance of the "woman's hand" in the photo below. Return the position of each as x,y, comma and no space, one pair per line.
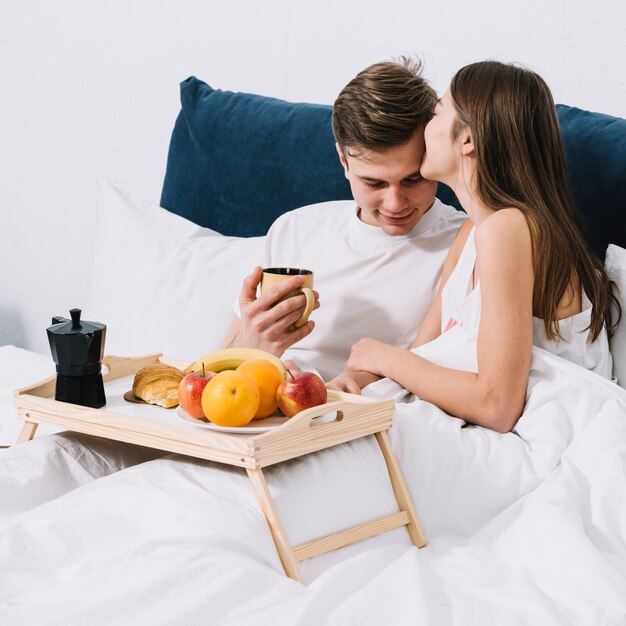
370,355
344,382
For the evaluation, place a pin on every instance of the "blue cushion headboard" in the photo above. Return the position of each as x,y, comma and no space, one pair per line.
237,161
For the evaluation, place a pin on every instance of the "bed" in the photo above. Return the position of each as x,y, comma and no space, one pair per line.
523,528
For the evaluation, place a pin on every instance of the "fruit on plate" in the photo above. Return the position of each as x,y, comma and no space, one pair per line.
190,392
232,358
303,391
230,398
267,377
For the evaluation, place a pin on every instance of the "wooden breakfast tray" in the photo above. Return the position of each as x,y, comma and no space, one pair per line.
147,425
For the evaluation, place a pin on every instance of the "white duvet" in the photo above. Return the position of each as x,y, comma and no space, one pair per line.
523,528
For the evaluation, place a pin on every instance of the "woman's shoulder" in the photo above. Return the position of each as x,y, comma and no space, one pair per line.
504,249
503,228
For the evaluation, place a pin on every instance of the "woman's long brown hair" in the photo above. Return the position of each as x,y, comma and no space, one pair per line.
520,162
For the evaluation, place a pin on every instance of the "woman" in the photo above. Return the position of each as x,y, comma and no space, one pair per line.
519,272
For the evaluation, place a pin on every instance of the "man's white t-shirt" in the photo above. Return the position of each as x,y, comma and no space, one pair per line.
371,284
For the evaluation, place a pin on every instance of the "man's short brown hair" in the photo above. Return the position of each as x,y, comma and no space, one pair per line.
383,106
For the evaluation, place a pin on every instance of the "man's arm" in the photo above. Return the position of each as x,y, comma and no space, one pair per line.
265,322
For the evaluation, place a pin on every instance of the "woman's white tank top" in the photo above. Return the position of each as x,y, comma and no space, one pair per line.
460,305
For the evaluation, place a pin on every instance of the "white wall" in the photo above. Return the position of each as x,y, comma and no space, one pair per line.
90,89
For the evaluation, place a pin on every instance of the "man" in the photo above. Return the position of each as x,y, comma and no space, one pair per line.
377,260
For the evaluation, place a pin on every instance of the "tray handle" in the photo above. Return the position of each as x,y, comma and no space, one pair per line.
116,366
345,409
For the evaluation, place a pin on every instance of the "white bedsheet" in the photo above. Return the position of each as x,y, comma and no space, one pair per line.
523,528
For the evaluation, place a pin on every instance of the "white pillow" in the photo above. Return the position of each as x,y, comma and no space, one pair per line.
20,368
160,282
615,264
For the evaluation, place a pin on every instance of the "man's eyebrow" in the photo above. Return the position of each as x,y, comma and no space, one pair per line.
369,179
415,174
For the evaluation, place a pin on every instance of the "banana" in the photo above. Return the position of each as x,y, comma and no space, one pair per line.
232,358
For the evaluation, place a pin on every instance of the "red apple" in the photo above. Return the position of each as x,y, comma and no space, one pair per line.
300,392
190,392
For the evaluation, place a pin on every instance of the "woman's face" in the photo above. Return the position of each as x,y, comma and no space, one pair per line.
442,155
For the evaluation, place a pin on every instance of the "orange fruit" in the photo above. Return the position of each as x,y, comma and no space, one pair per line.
230,398
267,377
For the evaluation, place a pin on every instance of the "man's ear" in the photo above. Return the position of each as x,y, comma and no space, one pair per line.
467,143
342,159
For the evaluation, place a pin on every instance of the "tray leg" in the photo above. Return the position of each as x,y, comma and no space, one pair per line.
28,432
403,497
285,551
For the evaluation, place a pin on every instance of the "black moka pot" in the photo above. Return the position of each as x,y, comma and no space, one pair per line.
77,349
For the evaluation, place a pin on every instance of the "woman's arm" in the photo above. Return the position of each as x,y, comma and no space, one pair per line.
353,381
495,396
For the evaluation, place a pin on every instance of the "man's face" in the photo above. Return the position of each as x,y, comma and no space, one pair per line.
388,187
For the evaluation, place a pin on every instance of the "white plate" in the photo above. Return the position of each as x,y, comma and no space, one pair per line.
260,426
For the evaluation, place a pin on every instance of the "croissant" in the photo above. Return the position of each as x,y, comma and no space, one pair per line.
158,384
